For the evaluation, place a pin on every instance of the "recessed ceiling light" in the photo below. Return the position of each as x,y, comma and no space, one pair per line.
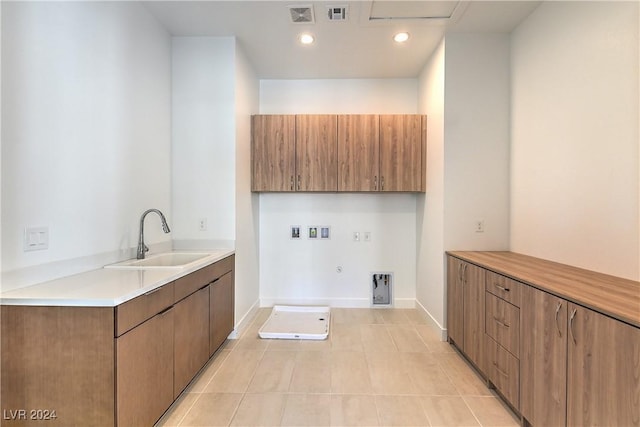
306,38
401,37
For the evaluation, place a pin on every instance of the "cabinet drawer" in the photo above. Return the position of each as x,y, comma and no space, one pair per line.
503,287
190,283
133,312
502,323
504,372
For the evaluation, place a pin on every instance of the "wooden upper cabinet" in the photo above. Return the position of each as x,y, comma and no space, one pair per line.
331,153
402,152
273,152
316,153
358,152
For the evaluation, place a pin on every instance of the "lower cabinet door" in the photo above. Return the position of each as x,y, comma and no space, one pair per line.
543,358
221,311
603,384
144,371
191,346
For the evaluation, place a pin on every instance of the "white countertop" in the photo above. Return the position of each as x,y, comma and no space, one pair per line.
105,287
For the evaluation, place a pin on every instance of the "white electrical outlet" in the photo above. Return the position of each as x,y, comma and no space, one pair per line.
356,236
367,236
479,225
202,224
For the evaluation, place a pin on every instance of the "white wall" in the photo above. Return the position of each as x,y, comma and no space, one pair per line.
465,87
203,138
430,289
247,235
86,128
304,271
476,169
575,155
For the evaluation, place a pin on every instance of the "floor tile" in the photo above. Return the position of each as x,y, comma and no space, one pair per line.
307,410
260,410
427,375
235,373
392,316
376,338
406,338
448,411
432,340
273,373
346,337
464,377
178,410
312,372
199,383
349,373
387,375
400,411
212,409
353,410
491,412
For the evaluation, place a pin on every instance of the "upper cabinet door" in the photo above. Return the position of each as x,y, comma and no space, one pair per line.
316,153
358,153
273,152
401,152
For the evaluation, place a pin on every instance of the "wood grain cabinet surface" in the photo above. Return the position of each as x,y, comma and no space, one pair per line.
557,362
465,308
273,152
339,153
114,366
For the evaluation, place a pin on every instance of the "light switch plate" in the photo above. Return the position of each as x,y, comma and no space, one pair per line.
36,238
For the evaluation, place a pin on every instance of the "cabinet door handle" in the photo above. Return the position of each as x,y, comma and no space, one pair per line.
153,291
557,324
500,322
375,182
382,183
500,370
464,273
503,289
298,182
573,314
291,183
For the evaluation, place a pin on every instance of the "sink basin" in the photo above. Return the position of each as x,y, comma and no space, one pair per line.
164,260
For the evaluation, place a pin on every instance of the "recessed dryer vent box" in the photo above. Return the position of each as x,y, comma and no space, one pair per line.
381,289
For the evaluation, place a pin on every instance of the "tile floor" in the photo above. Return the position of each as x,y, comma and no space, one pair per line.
382,367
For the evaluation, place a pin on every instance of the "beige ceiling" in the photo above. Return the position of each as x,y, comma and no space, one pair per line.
359,47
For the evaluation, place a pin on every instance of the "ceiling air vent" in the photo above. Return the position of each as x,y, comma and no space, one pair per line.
301,14
337,13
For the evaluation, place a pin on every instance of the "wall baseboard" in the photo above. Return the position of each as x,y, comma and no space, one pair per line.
245,321
432,322
337,302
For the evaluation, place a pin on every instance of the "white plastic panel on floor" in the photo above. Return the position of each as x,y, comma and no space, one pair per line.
297,323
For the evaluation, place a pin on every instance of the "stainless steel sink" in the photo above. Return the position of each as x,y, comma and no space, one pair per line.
163,260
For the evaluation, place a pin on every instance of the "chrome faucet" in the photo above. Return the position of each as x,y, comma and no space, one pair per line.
142,248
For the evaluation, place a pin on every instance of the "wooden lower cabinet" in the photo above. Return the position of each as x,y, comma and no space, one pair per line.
603,370
191,338
59,360
455,301
503,370
465,309
221,307
117,366
543,358
144,378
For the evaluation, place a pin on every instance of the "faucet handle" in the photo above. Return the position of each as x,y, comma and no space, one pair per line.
146,248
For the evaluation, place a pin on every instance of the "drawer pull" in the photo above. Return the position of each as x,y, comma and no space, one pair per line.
557,325
503,289
500,370
153,291
500,322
